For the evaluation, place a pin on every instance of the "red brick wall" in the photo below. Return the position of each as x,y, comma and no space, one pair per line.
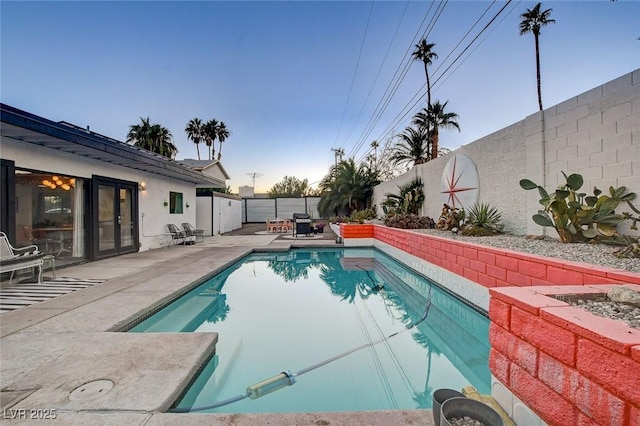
569,366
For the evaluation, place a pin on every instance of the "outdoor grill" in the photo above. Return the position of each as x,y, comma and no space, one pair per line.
302,223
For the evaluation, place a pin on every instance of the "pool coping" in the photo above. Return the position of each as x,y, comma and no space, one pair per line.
51,348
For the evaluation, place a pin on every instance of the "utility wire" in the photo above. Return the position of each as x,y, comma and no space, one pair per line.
410,106
397,78
355,71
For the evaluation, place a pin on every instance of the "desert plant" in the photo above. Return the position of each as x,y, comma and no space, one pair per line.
360,216
450,219
409,221
482,219
408,201
576,216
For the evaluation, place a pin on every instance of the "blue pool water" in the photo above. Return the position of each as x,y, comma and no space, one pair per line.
395,336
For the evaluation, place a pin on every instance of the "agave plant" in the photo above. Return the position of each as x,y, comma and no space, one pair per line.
482,219
576,216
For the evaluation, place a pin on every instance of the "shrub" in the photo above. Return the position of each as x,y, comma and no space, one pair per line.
409,200
361,215
409,221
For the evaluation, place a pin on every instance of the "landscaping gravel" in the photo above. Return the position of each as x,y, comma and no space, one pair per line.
597,254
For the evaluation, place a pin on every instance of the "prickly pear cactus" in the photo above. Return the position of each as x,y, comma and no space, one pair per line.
576,216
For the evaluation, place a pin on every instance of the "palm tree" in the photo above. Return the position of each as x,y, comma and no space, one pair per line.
152,137
163,141
412,147
532,21
347,187
434,117
223,133
423,53
209,134
139,134
194,132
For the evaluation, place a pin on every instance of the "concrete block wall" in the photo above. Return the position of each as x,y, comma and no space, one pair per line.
596,134
590,379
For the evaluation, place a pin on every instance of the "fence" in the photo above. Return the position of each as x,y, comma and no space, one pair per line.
255,210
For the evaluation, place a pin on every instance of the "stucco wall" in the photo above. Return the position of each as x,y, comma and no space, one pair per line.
154,216
596,134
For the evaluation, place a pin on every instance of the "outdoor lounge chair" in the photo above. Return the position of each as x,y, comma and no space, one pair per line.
177,236
191,232
15,259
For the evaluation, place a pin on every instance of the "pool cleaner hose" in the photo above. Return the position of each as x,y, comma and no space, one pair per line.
287,378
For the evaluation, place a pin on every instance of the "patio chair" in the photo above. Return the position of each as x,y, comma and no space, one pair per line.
177,236
271,226
190,231
286,226
14,259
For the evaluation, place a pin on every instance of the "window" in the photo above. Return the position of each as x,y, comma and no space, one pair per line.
175,202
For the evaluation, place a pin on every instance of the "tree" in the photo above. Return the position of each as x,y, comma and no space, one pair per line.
194,132
413,146
223,133
434,117
532,21
152,137
424,53
347,187
210,133
290,187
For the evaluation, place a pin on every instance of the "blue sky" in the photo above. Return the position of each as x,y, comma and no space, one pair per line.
292,80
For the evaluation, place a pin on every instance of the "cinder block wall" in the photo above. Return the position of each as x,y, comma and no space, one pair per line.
596,134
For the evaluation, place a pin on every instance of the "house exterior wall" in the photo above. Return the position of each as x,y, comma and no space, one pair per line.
595,134
153,215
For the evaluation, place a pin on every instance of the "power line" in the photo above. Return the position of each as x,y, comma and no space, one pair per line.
355,71
408,107
398,76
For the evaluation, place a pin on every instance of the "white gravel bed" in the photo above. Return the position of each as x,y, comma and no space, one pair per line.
597,254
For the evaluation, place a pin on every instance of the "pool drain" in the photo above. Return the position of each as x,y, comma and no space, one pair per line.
91,390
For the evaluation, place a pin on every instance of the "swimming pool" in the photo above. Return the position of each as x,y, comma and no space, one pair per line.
355,328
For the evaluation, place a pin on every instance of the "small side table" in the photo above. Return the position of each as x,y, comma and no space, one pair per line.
49,260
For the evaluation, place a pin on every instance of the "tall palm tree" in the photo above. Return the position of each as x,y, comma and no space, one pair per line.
424,53
163,141
532,21
413,146
194,132
223,133
434,117
209,134
152,137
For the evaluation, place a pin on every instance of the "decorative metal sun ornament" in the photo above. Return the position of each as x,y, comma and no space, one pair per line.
460,186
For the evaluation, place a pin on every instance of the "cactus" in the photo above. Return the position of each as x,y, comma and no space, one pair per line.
576,216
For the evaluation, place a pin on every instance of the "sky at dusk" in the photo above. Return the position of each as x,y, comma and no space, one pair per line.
292,80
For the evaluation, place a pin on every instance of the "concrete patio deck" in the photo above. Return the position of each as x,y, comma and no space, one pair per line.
72,343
